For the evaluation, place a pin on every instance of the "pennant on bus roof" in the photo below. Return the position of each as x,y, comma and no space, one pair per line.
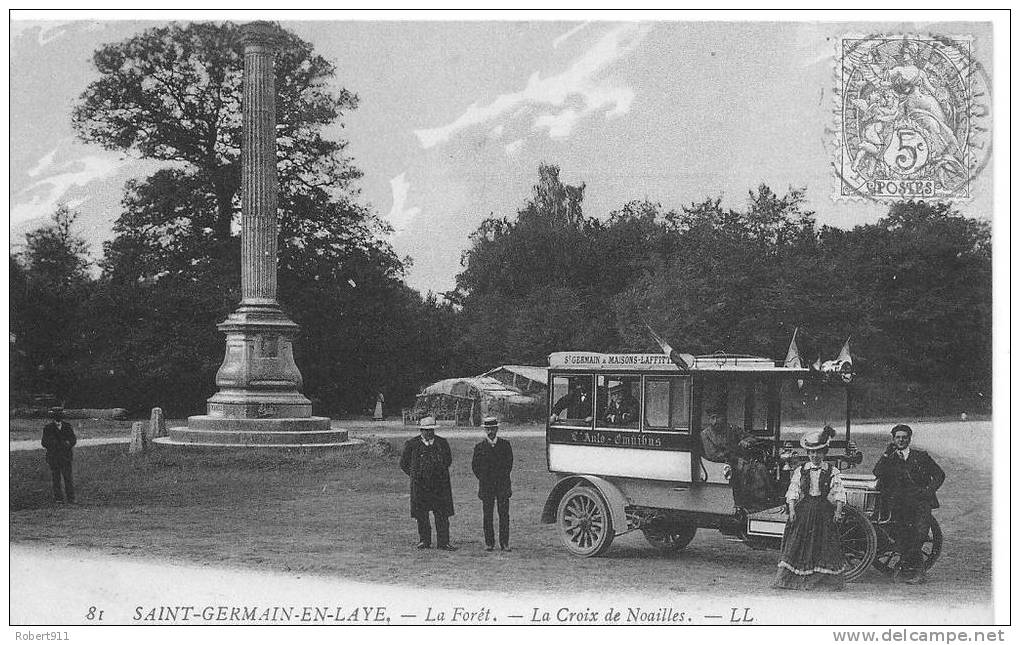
842,365
683,361
844,354
793,354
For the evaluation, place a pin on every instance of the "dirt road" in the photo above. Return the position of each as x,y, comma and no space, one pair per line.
248,557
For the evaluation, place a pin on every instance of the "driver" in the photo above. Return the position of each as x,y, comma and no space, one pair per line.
720,441
723,443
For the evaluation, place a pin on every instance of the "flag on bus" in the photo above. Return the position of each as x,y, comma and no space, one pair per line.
793,354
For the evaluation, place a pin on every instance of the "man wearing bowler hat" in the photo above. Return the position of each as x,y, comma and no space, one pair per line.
426,460
908,478
58,439
491,463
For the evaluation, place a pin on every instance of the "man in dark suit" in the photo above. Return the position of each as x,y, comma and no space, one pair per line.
908,479
576,402
58,439
491,463
426,460
622,408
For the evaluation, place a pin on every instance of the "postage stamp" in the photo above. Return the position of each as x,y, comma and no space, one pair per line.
913,118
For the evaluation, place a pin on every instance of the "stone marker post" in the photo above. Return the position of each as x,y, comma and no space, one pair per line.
157,424
139,440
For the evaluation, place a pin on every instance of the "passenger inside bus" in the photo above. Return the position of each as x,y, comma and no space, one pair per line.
622,408
576,403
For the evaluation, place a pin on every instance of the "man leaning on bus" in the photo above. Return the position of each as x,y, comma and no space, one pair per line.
908,479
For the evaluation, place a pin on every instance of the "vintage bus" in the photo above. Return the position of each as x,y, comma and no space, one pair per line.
624,436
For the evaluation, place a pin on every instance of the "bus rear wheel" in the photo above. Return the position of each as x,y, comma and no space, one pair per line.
584,522
670,539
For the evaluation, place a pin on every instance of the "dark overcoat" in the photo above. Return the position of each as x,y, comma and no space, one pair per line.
915,479
428,468
58,439
492,466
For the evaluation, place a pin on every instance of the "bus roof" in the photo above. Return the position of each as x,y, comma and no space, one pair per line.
710,363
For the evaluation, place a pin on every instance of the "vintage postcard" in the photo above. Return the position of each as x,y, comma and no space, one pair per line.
435,319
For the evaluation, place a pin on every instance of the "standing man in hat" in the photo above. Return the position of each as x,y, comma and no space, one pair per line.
426,460
492,462
908,479
58,439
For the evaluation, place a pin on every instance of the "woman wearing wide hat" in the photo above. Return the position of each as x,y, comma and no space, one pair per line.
812,555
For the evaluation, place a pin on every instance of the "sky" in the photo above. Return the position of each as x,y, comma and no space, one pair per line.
455,117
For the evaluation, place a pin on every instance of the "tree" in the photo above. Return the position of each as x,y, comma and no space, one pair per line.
49,284
171,273
174,94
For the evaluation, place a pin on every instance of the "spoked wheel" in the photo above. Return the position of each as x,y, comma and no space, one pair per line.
858,540
584,522
888,559
673,538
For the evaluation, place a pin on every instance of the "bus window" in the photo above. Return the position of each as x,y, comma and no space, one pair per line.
742,405
668,403
617,402
572,400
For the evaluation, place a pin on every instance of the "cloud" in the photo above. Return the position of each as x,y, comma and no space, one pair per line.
564,37
41,198
400,217
44,163
559,124
513,151
579,82
50,30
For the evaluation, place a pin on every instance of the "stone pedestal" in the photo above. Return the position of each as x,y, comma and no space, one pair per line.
259,402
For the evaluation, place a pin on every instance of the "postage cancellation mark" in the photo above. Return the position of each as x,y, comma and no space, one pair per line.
913,118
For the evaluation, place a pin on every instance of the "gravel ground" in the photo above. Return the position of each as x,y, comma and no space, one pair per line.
56,577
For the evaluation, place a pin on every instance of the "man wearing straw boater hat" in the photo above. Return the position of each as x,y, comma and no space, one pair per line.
426,460
491,463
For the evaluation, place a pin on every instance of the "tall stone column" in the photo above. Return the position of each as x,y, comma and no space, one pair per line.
258,160
259,401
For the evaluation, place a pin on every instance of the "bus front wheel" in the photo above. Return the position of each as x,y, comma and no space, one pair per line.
584,522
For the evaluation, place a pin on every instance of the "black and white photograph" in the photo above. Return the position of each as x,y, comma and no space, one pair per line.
439,319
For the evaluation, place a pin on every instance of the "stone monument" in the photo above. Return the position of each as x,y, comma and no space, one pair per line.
259,402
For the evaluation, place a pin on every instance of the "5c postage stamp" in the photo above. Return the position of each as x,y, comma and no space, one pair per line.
913,118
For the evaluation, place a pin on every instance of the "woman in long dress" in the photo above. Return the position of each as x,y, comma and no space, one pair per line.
379,400
812,555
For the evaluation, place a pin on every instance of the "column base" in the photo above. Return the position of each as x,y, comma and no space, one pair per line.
209,431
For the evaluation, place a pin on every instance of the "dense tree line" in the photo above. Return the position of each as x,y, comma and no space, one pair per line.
913,290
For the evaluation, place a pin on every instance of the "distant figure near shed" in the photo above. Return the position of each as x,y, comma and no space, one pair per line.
59,439
379,400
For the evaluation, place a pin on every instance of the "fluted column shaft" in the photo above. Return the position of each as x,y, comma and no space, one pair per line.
258,174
